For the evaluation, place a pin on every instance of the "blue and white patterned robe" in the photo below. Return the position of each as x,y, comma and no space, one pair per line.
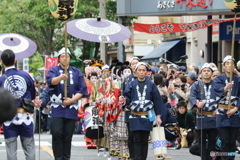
149,99
23,84
222,119
77,85
210,104
127,80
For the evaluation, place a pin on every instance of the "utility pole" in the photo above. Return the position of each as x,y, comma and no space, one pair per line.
102,6
209,42
120,45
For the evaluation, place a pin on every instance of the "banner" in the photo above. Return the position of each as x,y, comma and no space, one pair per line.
50,62
167,27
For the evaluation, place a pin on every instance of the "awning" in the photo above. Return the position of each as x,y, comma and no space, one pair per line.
159,51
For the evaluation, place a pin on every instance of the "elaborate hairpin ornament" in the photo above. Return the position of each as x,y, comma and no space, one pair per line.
96,63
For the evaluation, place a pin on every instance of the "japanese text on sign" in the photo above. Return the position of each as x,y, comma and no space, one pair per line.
163,4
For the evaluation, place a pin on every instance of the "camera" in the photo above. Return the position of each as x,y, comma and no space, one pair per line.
172,71
182,86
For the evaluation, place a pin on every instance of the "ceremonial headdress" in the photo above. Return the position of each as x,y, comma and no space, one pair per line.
89,70
96,63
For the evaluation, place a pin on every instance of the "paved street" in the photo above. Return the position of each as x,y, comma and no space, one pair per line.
80,152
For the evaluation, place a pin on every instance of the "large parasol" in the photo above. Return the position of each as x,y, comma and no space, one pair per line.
98,30
22,46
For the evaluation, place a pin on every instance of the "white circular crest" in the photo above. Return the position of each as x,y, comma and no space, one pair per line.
17,83
113,28
24,44
104,38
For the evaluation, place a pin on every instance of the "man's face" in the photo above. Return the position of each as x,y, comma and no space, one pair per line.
64,61
106,73
178,80
191,69
172,71
206,73
126,72
141,71
189,80
133,64
215,74
227,66
161,68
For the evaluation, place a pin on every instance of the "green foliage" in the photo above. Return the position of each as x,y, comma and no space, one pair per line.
35,62
33,19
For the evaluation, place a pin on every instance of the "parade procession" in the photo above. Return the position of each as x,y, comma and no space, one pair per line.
75,85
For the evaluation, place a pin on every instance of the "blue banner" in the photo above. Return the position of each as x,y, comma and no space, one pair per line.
226,29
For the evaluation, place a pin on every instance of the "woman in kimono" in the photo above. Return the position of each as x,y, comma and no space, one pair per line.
143,98
88,102
120,136
203,97
227,119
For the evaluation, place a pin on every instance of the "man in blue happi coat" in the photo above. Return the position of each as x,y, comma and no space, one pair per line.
203,98
227,119
64,110
21,85
142,96
132,64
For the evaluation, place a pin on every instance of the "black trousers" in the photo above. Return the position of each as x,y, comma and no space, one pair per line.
228,136
195,149
190,138
44,122
206,148
141,144
62,131
130,143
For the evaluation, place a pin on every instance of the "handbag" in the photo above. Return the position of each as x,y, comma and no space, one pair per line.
27,104
184,142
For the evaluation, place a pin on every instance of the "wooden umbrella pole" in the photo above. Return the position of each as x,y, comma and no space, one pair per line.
66,66
39,124
232,64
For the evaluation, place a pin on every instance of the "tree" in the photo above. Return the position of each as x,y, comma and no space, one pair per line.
35,62
32,18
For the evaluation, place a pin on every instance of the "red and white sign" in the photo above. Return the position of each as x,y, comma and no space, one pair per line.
50,62
167,27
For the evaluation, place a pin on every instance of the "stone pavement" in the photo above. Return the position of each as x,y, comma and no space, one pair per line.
80,151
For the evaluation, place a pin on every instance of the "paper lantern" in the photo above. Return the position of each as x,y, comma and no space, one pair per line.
234,5
63,9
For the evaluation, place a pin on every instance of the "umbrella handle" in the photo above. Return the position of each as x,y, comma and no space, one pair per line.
65,69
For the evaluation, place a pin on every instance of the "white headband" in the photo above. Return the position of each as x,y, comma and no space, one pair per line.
62,51
105,67
139,64
133,59
228,57
206,65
